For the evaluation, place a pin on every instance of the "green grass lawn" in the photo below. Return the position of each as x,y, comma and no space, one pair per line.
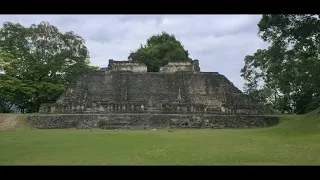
295,141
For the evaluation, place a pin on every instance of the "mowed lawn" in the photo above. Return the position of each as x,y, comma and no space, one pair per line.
295,141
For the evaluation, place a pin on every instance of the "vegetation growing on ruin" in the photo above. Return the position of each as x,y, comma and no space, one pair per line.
159,50
290,67
295,141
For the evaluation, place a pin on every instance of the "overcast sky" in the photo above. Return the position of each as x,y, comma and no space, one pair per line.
220,42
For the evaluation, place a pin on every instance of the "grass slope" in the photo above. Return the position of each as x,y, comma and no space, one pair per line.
295,141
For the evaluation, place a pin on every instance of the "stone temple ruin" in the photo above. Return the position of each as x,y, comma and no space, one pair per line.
126,96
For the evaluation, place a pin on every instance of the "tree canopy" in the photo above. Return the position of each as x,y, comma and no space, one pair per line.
38,63
289,68
159,50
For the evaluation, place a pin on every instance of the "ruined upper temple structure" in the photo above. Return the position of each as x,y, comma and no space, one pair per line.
127,87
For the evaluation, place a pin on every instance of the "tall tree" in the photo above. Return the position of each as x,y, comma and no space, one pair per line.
43,59
289,67
8,85
159,50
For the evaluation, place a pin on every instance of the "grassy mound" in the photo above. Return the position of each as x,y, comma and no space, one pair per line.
300,124
293,141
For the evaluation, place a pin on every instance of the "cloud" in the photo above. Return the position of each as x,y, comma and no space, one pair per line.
220,42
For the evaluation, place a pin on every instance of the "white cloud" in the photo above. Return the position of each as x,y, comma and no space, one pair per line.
220,42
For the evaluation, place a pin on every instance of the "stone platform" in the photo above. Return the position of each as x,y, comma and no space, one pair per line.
126,96
149,121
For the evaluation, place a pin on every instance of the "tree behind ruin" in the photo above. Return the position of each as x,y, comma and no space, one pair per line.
41,61
290,66
159,50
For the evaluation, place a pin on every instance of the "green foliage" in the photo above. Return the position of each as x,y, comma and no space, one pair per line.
94,68
159,50
41,61
290,65
314,104
5,60
8,90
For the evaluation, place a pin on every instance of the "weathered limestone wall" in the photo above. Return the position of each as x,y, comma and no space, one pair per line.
173,67
126,66
126,92
149,121
196,65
